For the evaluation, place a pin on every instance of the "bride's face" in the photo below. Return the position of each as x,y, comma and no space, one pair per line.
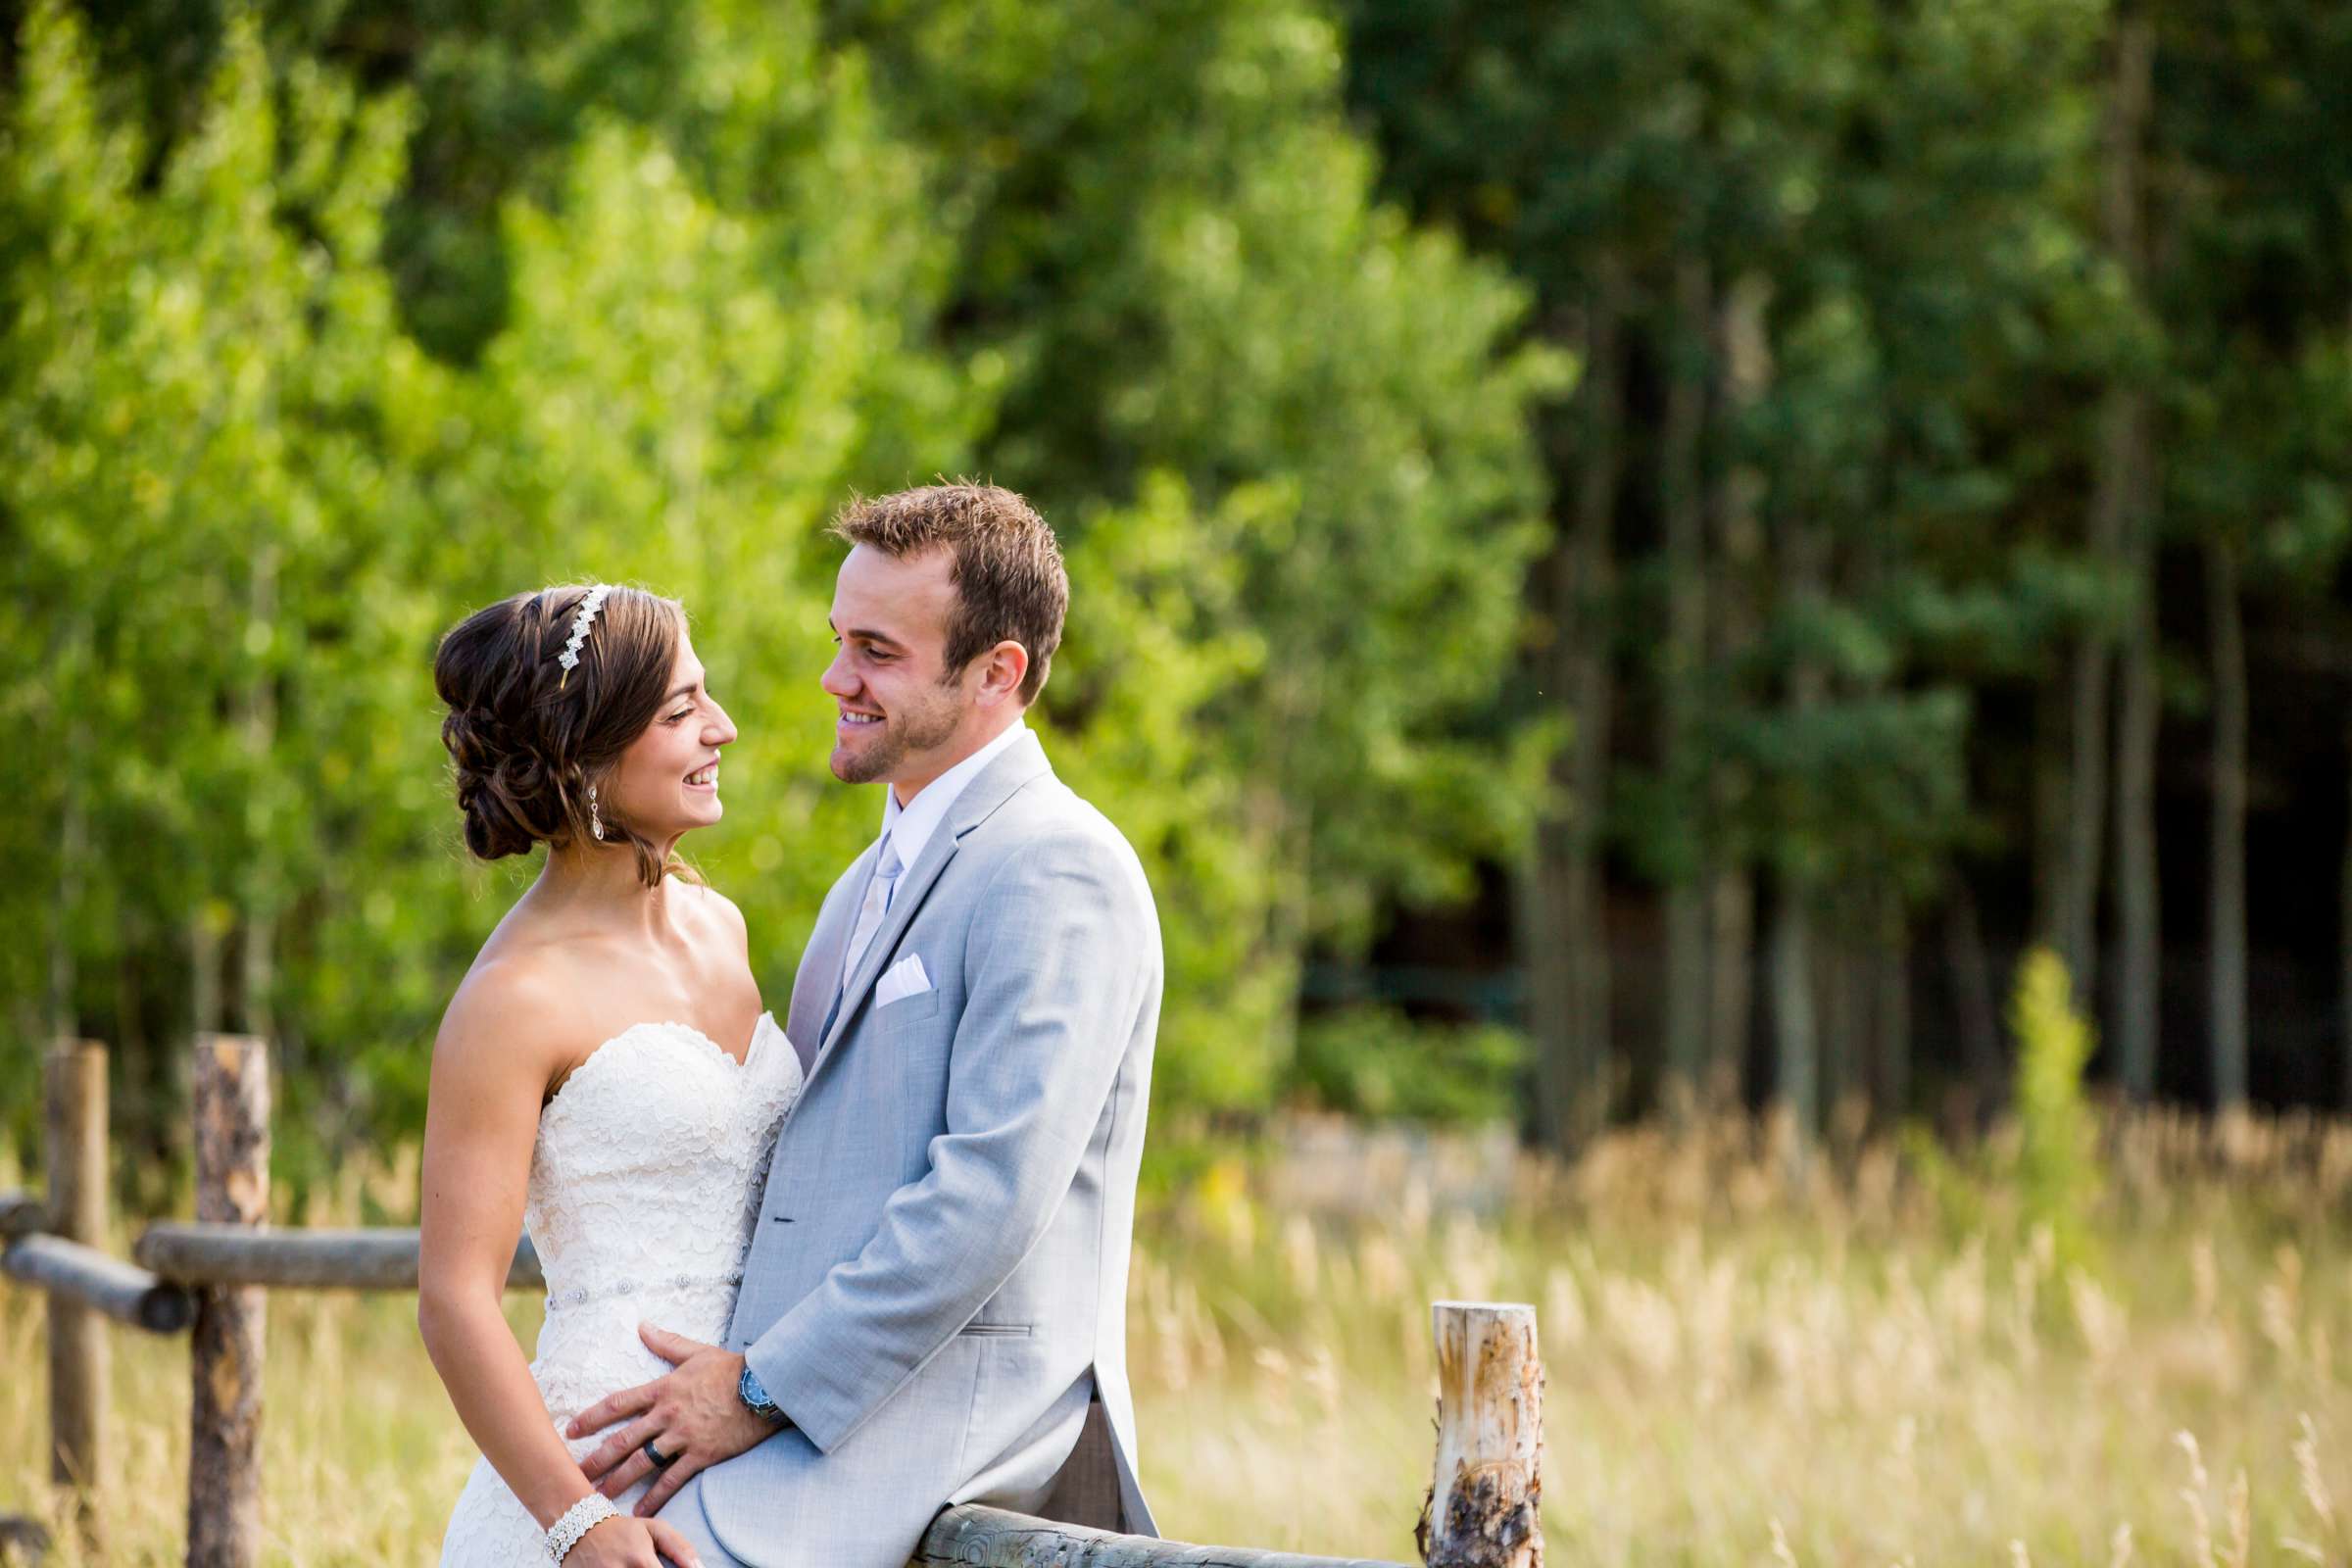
666,782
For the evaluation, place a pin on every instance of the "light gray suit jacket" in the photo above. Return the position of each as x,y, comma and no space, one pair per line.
938,1278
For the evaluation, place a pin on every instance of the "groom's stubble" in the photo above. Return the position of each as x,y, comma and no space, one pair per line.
906,731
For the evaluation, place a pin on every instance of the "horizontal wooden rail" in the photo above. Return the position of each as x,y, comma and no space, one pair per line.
374,1259
106,1285
973,1536
21,1215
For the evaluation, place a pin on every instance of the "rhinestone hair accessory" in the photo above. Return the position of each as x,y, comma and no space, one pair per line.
581,621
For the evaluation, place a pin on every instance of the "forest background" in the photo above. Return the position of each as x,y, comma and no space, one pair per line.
1627,557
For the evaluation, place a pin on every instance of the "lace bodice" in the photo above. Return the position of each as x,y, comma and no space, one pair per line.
649,1159
645,1187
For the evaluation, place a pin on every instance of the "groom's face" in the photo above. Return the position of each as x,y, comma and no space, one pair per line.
900,716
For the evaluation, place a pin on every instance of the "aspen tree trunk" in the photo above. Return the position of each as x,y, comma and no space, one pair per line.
74,1139
72,845
257,951
2053,804
1731,968
1797,1082
1971,987
1563,911
1796,1016
2138,940
1890,1012
2228,958
1838,1020
2086,799
1744,368
72,852
2127,482
204,975
2117,487
1594,691
1681,499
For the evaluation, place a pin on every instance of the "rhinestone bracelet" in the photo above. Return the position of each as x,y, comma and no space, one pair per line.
578,1519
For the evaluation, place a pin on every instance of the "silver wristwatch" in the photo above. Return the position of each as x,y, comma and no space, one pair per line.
755,1399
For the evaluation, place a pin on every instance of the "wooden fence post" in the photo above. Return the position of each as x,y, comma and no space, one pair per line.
233,1188
1483,1498
75,1135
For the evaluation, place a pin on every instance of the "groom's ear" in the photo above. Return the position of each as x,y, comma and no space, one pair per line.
1002,668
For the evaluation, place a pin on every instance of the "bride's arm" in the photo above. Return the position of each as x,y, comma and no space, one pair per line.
502,1046
492,1065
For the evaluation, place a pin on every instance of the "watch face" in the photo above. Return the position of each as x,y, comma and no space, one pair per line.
753,1395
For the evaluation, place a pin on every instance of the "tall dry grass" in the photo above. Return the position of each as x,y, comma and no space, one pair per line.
1844,1358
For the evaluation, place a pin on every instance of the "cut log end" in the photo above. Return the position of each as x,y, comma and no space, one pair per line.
1482,1508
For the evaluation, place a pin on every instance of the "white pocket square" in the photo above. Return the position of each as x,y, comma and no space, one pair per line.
906,978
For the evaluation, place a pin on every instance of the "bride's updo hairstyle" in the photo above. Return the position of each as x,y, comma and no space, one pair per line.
528,739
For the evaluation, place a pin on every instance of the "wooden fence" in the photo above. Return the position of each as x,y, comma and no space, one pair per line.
208,1279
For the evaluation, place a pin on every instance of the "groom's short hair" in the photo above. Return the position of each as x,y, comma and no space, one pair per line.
1010,582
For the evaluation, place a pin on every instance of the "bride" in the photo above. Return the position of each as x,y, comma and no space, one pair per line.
605,1076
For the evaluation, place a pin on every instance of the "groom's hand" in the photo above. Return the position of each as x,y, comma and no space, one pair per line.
694,1416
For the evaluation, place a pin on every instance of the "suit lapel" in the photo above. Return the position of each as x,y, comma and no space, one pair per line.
821,966
1022,762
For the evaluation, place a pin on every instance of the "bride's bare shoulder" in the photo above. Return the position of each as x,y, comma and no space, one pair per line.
522,1002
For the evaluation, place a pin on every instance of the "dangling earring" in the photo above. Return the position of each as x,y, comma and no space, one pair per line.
596,823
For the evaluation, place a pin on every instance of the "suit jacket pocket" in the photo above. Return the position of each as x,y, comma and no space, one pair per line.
995,1330
904,1010
909,1045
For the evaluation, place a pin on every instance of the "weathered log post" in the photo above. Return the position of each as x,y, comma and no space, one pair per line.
1482,1506
233,1188
75,1135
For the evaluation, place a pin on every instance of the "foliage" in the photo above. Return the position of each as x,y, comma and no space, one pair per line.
296,372
1375,1061
324,320
290,500
213,426
2058,1157
1168,237
2041,1175
1865,255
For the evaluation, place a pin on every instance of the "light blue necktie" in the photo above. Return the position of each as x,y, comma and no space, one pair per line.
878,890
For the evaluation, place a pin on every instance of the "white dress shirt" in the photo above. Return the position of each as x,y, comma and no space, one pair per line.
910,827
905,831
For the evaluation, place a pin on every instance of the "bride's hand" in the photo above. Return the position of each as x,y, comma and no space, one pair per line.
629,1542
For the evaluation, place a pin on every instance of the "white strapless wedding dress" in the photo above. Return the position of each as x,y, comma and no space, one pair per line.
645,1187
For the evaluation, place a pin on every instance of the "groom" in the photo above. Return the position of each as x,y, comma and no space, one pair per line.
933,1307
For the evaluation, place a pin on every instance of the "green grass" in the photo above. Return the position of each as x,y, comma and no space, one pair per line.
1746,1365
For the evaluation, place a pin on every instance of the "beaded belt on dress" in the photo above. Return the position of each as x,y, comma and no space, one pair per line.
582,1295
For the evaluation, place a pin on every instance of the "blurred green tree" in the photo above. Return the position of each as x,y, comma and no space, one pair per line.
1820,256
208,412
248,504
1165,231
654,289
2256,397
